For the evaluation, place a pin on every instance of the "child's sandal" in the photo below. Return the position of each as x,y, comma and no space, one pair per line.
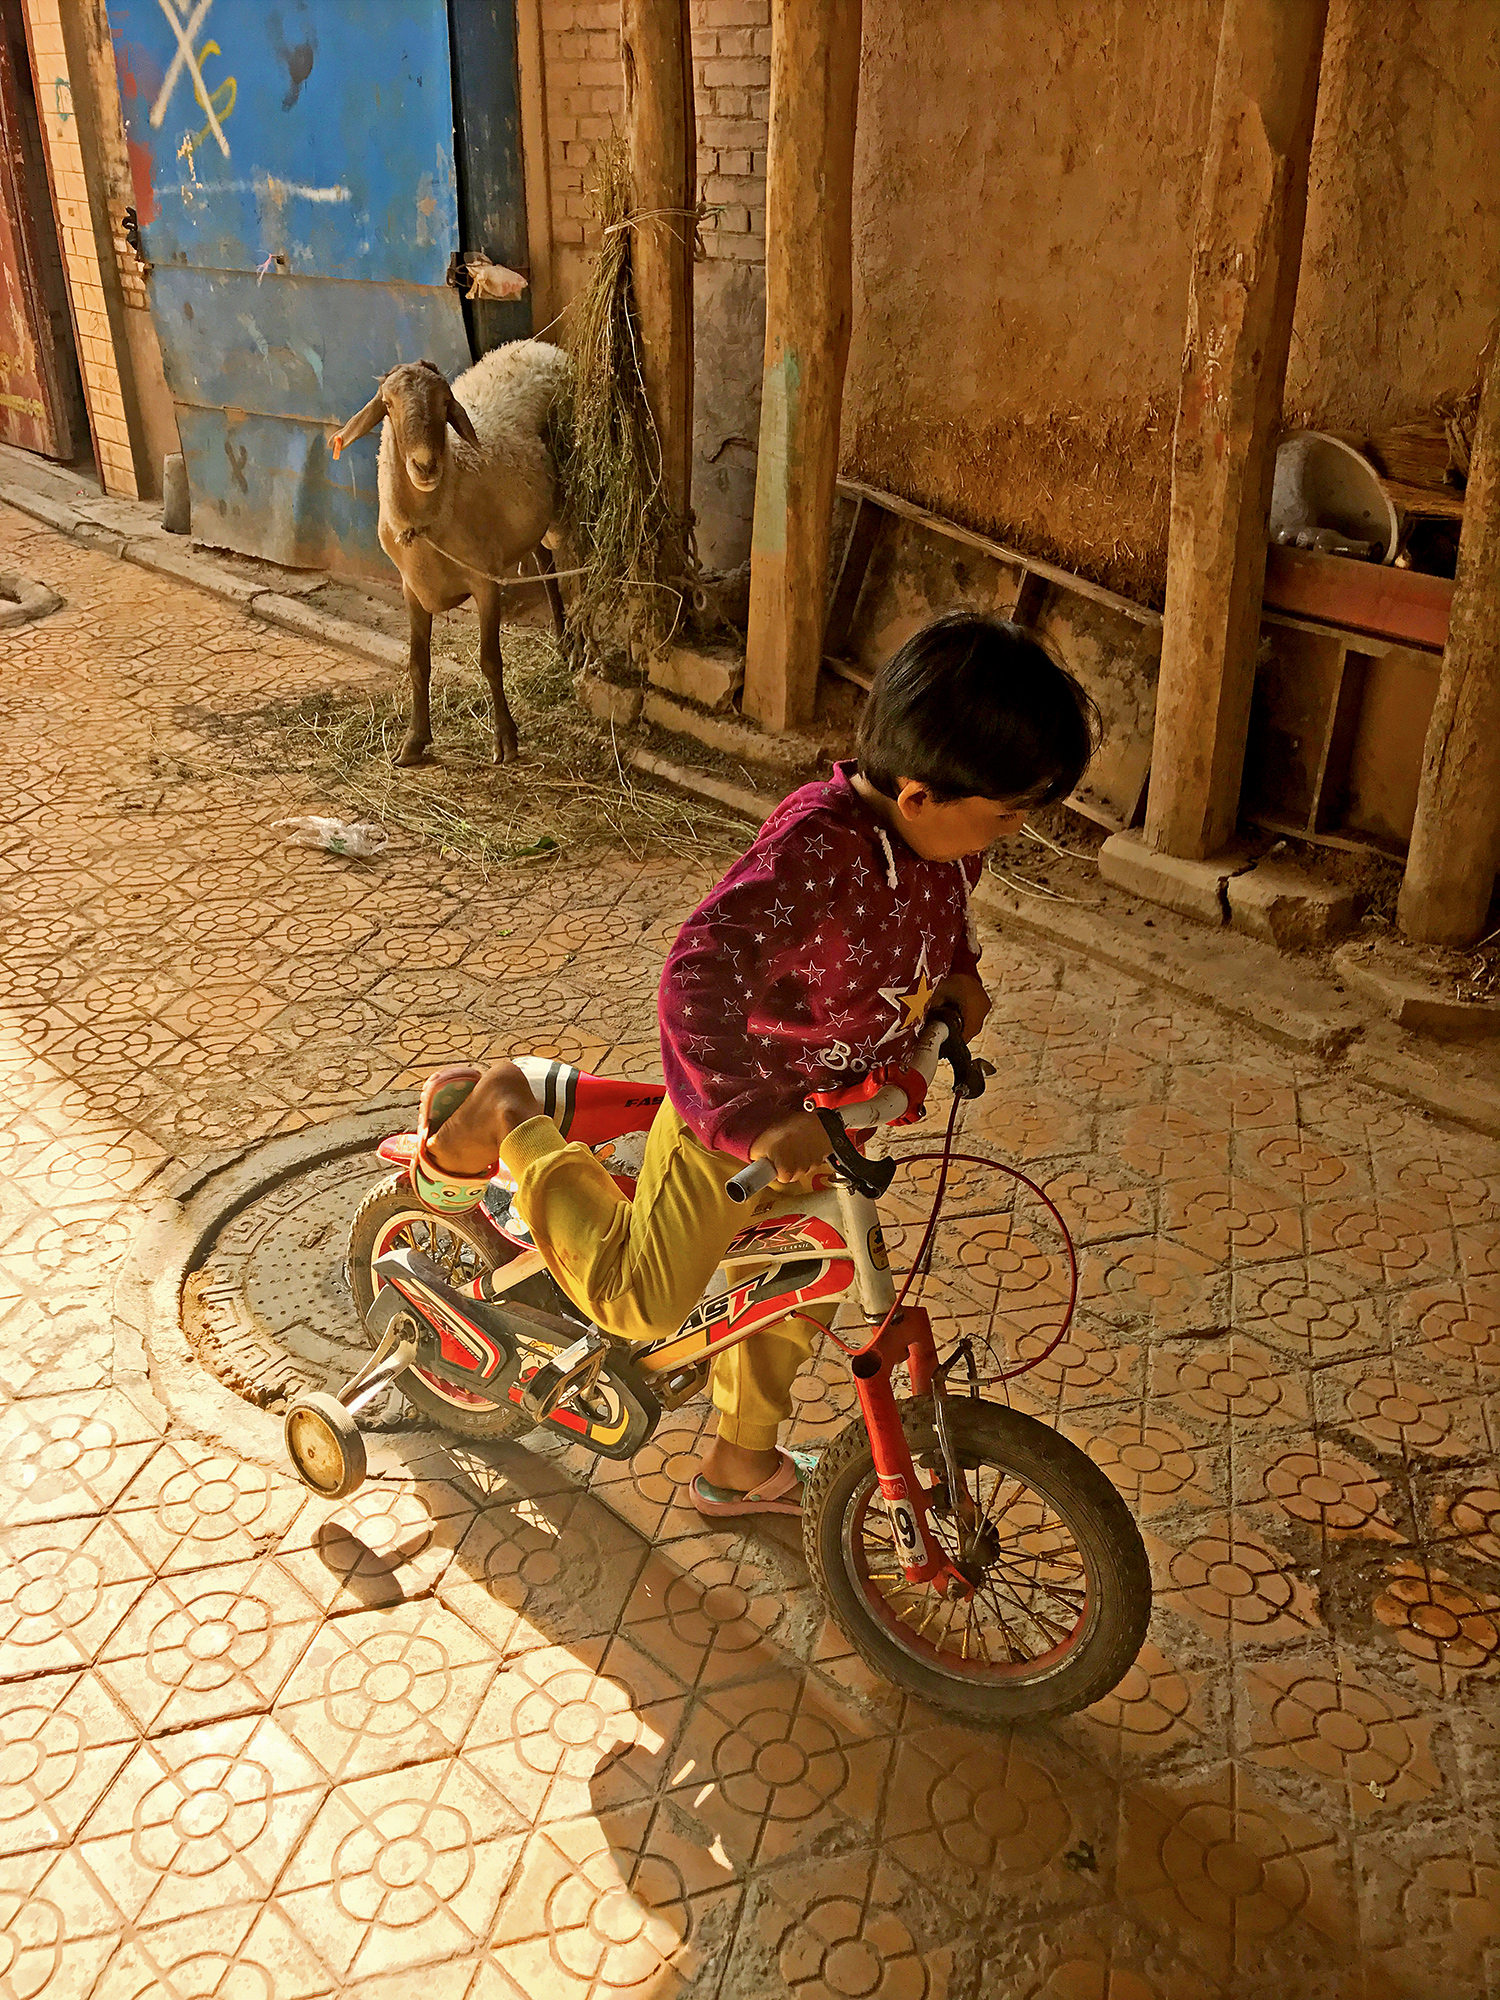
781,1493
434,1186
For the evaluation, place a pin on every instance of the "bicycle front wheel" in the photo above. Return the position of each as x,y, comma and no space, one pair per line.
1062,1585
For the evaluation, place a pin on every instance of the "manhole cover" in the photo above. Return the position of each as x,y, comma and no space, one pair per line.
269,1311
21,600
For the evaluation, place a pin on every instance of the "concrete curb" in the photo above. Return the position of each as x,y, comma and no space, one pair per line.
151,1349
107,526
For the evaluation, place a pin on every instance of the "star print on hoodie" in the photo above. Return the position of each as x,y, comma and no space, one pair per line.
812,962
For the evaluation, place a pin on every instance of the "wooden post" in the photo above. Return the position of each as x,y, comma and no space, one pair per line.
1455,842
809,304
657,47
1241,292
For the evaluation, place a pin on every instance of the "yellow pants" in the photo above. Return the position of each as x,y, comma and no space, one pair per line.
637,1268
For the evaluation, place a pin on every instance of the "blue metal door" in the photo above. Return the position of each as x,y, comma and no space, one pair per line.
297,195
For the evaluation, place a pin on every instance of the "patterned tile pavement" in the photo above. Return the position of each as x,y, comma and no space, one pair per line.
565,1740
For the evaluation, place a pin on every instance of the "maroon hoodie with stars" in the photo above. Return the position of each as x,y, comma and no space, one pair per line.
809,965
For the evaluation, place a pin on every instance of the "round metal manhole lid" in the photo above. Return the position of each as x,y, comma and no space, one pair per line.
269,1310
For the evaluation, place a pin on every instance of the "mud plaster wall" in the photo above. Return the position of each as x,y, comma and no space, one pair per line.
1026,179
1026,184
1024,195
1401,255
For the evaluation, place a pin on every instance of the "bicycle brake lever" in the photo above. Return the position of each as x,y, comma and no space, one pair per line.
970,1072
870,1177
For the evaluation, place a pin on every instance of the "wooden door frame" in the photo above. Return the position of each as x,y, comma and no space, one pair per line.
29,207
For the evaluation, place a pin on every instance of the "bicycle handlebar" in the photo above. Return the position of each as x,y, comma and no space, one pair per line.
941,1038
750,1180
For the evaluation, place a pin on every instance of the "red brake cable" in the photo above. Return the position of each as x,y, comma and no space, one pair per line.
948,1158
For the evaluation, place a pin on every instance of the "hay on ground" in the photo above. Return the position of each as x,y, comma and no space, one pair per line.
570,791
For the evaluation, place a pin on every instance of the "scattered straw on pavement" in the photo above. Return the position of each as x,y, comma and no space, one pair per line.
570,789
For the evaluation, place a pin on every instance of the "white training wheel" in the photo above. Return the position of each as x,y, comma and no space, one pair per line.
325,1446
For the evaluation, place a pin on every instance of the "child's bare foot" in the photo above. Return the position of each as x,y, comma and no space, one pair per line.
734,1469
468,1142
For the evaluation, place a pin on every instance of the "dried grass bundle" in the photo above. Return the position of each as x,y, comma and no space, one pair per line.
617,513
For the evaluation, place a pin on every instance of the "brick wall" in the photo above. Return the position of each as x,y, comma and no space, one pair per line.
80,251
585,102
732,81
732,78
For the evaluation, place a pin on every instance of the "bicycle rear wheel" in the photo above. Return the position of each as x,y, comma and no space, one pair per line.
1062,1583
391,1218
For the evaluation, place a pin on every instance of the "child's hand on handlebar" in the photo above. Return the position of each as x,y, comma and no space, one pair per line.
794,1145
963,990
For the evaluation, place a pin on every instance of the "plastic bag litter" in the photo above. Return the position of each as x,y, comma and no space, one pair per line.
358,838
493,281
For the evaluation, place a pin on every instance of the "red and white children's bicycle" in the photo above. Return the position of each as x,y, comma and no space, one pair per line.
970,1553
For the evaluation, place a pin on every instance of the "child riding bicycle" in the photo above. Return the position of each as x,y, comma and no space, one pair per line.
811,965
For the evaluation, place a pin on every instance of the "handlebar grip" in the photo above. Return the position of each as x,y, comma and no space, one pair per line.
750,1180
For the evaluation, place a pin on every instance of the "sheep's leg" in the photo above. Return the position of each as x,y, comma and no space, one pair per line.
554,593
487,603
419,733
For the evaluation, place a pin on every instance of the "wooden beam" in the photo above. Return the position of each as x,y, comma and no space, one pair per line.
1031,595
1455,841
809,304
536,161
1399,604
1241,293
938,524
657,49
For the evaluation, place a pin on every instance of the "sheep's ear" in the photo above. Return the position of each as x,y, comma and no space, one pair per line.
461,421
364,422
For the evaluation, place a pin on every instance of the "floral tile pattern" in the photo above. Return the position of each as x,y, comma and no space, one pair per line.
516,1725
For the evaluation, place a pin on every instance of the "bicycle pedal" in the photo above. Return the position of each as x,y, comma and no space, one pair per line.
542,1392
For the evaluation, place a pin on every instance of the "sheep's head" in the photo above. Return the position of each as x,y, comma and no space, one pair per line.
417,402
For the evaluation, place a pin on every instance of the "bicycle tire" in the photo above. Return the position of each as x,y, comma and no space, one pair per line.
374,1230
1117,1610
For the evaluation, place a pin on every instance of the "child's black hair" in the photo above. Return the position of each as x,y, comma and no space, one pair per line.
972,707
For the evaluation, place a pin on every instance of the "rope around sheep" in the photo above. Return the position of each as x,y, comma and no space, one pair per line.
505,582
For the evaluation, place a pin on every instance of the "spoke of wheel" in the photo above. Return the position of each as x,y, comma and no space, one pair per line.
1014,1633
1000,1483
1001,1621
1013,1574
979,1631
1049,1629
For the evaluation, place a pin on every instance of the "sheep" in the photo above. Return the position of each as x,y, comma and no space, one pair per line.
456,513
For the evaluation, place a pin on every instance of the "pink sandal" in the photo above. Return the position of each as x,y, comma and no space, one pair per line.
781,1493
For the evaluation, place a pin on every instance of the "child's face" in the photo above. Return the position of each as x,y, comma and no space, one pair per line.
948,830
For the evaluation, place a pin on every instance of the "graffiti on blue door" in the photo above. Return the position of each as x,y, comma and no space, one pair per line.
297,196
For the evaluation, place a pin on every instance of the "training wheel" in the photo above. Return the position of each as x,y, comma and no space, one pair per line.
324,1444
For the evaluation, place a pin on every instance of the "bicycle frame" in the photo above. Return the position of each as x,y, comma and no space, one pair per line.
835,1219
816,1247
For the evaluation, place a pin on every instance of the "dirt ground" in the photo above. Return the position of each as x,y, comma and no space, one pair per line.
562,1740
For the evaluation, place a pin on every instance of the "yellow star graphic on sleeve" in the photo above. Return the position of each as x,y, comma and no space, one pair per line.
916,1003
